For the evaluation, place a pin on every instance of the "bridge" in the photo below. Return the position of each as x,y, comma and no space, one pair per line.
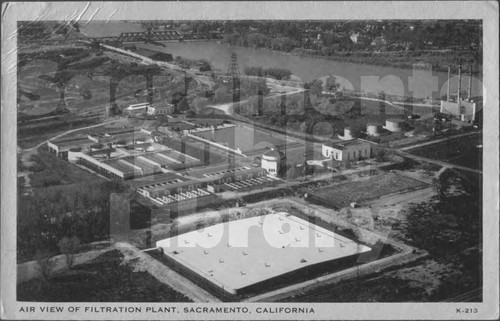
155,35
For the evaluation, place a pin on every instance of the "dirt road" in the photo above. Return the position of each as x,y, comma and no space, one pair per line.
141,261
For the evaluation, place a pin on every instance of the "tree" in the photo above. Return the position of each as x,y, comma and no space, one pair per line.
69,246
331,84
198,104
250,87
253,71
316,87
357,130
380,155
442,183
205,67
221,95
278,73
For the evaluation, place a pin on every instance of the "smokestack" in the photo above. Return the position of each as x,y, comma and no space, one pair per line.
449,76
459,82
469,96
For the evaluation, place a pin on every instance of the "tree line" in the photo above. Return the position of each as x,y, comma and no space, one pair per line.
54,213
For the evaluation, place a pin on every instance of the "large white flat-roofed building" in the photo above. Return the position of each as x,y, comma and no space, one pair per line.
236,255
349,150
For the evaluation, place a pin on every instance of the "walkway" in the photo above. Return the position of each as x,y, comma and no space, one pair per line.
440,163
30,270
71,131
438,141
143,262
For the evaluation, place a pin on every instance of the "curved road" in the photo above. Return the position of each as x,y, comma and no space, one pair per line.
69,132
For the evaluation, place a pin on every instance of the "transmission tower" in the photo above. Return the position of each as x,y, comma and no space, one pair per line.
233,69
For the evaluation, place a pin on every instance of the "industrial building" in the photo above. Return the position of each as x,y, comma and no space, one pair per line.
95,141
122,153
168,188
150,109
351,150
273,161
160,110
156,171
142,107
464,109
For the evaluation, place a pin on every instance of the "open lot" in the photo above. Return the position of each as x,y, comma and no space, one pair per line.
105,279
374,187
463,151
48,170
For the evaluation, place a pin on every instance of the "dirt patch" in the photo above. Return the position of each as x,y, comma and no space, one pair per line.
342,195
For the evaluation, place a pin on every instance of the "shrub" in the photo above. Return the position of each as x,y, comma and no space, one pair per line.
69,246
44,262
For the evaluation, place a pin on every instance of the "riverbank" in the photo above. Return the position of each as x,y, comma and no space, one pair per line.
406,60
438,59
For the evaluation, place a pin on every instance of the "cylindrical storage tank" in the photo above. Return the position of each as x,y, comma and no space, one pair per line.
373,129
347,134
394,125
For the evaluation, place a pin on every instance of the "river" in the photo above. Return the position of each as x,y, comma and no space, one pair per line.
364,77
350,75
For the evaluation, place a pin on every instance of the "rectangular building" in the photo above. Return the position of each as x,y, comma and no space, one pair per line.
160,110
350,150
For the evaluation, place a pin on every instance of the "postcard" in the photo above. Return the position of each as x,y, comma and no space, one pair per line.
250,160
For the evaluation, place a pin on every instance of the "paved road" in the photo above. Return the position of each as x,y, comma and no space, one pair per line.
144,262
298,182
30,270
71,131
441,163
438,141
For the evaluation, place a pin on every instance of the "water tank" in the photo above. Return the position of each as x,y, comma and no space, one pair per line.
373,129
394,125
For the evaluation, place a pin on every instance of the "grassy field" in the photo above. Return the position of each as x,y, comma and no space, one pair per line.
463,152
105,279
343,194
50,170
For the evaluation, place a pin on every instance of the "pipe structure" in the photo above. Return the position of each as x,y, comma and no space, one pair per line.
449,76
469,96
459,81
459,88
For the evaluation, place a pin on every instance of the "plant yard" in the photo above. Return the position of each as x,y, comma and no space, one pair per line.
342,195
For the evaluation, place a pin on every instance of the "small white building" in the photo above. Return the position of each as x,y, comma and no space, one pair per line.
272,161
374,129
159,110
137,107
350,150
347,134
